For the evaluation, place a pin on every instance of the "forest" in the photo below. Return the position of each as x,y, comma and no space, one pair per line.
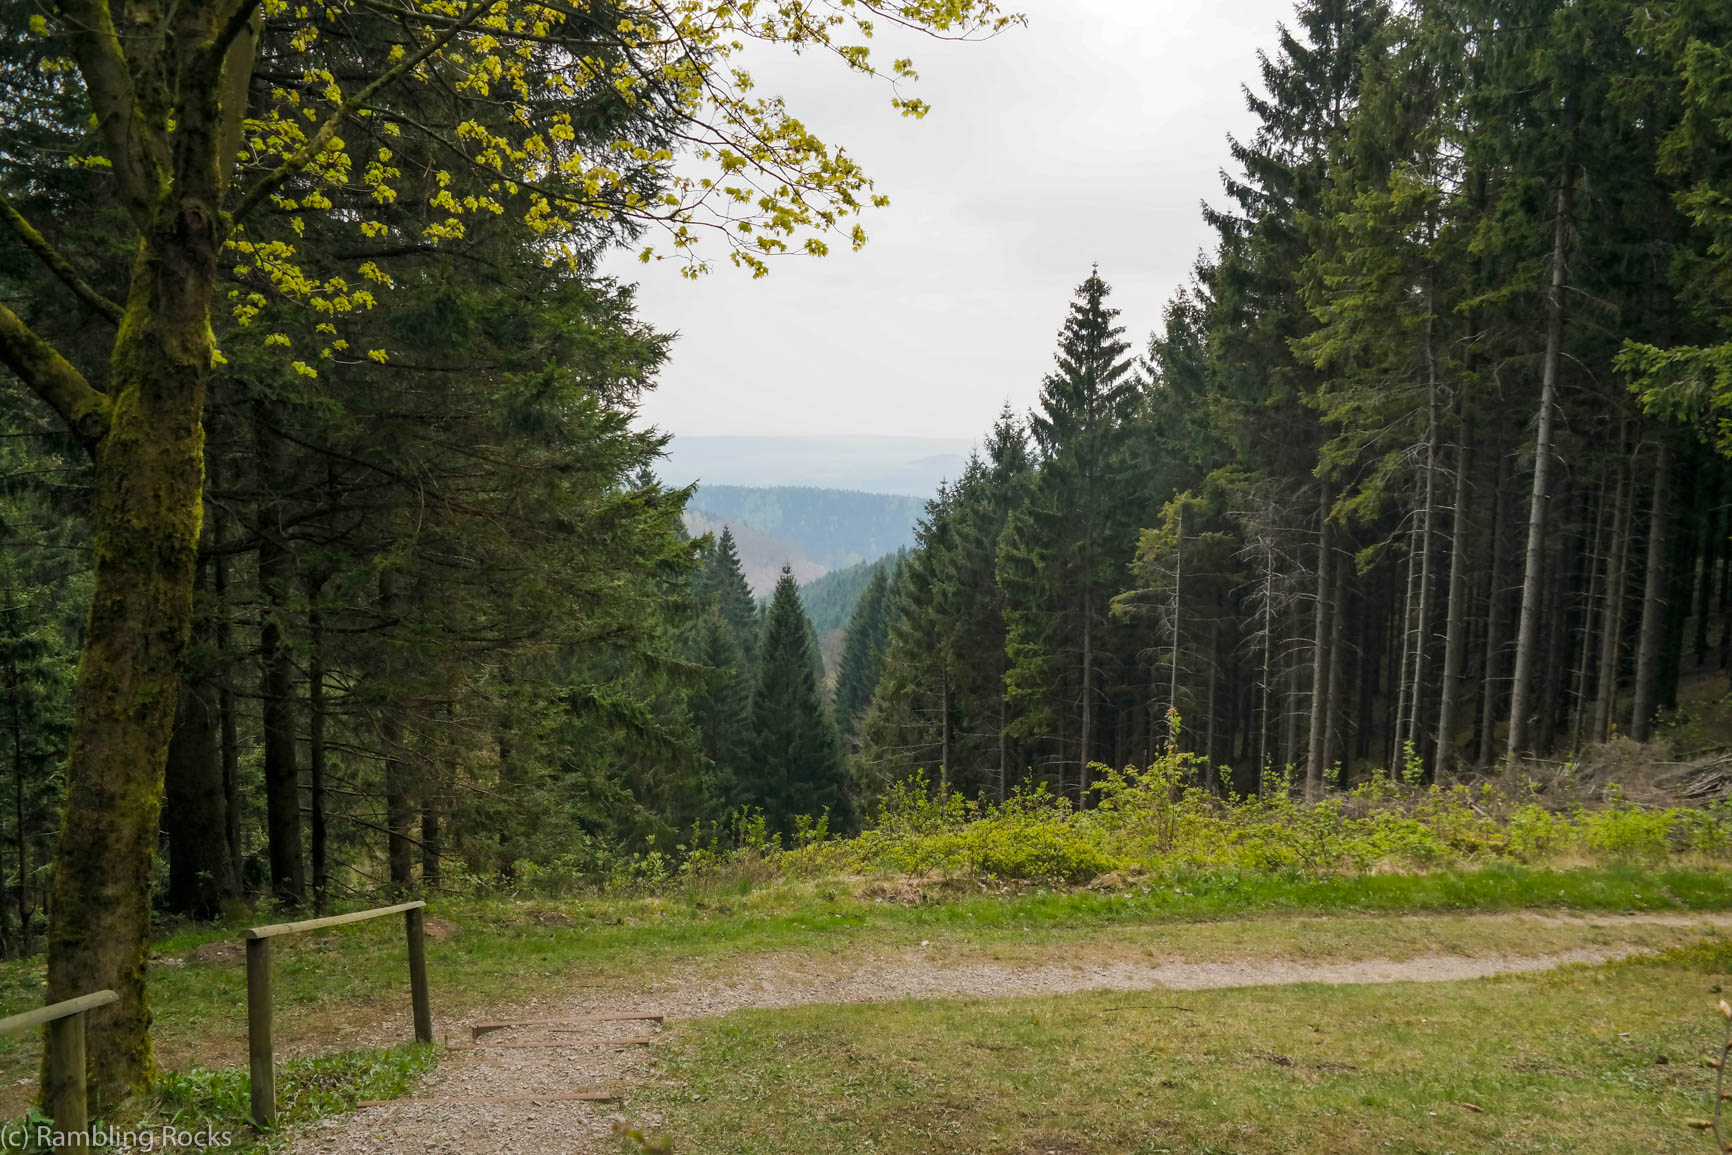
337,564
1424,468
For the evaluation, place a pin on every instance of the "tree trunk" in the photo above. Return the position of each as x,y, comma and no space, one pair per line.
431,847
1088,695
1315,747
1713,541
398,810
201,876
1534,576
222,636
1494,618
1646,698
1455,628
147,505
1612,614
1333,748
277,677
1428,542
1592,616
316,742
1404,686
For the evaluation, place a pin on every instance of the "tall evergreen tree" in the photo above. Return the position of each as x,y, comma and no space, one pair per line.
1067,545
797,766
862,661
724,585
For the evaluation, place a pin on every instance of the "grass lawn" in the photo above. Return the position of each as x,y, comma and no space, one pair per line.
1587,1059
346,990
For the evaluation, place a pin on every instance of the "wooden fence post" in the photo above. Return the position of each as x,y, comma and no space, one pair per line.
65,1093
415,921
264,1082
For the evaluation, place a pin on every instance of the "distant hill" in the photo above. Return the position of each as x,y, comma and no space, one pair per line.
832,528
909,466
761,555
830,600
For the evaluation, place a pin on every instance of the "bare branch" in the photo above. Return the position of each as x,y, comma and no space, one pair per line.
57,264
108,82
51,377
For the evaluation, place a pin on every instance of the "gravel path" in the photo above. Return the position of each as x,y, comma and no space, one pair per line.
777,980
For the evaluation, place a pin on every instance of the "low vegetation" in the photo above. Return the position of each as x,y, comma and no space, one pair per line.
1603,1059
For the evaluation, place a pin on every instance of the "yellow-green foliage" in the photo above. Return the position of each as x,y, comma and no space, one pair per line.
1158,821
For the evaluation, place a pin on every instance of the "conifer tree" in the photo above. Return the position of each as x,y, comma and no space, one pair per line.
797,767
1067,545
723,584
863,645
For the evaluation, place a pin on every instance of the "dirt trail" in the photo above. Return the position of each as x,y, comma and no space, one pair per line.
791,979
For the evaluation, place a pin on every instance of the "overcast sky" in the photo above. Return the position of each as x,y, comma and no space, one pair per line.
1091,135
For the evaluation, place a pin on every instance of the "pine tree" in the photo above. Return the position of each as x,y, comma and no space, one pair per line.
721,707
724,584
797,767
863,645
1066,547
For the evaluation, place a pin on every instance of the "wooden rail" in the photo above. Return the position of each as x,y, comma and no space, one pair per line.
65,1094
258,941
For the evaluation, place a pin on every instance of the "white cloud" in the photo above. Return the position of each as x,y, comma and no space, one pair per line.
1091,135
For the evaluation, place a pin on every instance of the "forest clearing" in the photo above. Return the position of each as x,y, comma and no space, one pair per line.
1290,710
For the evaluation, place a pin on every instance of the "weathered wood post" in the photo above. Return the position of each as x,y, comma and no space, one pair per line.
415,920
258,940
64,1093
264,1077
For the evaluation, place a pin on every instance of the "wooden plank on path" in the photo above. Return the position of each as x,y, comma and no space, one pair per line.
479,1029
508,1100
630,1041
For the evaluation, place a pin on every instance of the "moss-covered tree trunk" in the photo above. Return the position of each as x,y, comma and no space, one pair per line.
147,509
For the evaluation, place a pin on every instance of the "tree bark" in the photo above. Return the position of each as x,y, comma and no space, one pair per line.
1494,618
319,845
1428,541
1612,613
398,811
1316,751
147,509
201,876
1455,628
1652,640
1334,752
277,676
1534,576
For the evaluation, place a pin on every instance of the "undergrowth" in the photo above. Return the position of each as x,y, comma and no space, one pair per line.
1160,822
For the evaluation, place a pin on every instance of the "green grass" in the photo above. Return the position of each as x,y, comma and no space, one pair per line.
333,988
216,1102
1603,1059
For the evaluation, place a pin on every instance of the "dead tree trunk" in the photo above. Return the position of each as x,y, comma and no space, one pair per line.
1652,641
1455,628
1534,576
1315,747
1612,614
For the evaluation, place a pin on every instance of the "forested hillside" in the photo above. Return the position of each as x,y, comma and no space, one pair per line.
832,527
1423,468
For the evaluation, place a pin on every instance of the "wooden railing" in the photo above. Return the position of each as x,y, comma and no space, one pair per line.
64,1096
258,940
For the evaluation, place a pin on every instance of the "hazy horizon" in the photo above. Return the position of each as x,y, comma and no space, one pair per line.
1001,200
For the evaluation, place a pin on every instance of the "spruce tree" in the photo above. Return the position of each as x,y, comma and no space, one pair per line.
863,653
1067,546
797,767
724,584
